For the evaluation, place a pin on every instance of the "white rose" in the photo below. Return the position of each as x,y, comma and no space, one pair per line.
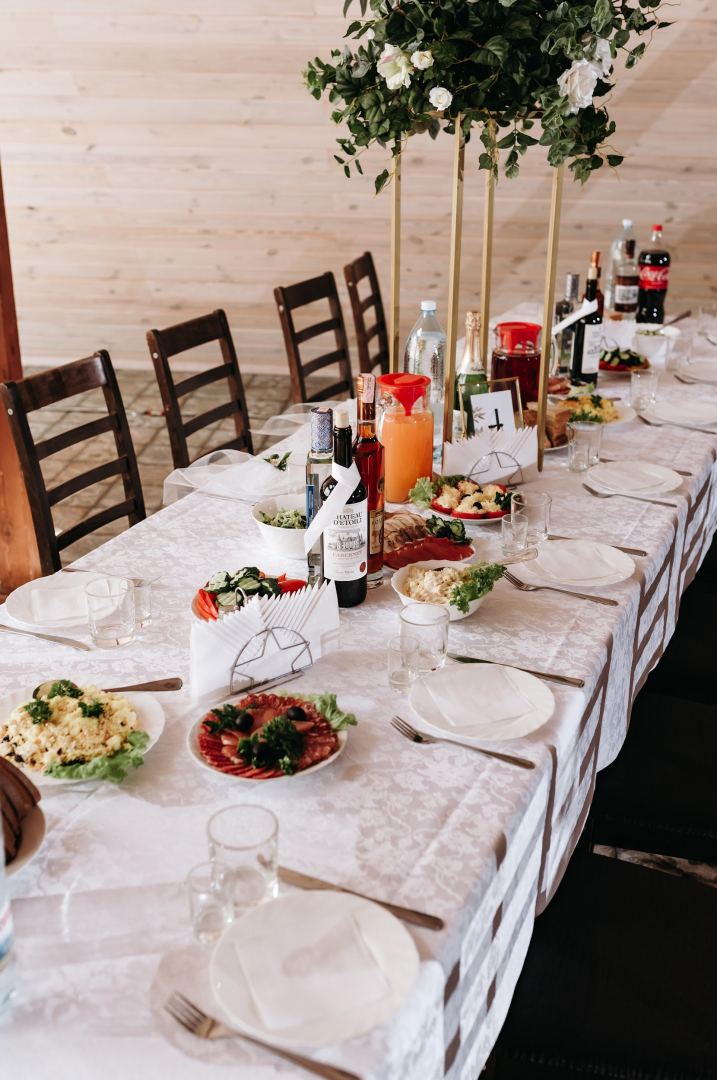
422,59
395,67
440,98
578,84
370,33
603,57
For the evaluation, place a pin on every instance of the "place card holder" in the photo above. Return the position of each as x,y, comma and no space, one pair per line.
253,657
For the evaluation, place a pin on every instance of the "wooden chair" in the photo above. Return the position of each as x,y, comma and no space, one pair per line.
48,388
164,344
357,271
296,296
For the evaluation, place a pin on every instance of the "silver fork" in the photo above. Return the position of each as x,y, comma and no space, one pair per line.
620,495
525,587
408,732
206,1027
671,423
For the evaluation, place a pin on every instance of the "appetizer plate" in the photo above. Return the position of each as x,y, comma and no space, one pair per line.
582,563
683,412
193,747
33,833
470,522
286,542
476,678
634,477
338,964
150,717
19,604
398,582
625,415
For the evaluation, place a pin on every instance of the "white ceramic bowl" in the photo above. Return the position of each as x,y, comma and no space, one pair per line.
286,542
399,579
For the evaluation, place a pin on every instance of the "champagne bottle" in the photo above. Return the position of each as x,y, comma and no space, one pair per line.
344,542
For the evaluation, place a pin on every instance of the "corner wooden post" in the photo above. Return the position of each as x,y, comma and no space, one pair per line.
19,559
487,260
548,298
394,328
454,280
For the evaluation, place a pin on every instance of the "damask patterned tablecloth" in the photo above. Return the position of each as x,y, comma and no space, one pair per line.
101,912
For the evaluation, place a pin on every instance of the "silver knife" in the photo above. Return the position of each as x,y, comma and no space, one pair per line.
627,550
47,637
568,680
305,881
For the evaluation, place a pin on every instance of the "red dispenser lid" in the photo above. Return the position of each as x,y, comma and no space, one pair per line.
514,335
405,388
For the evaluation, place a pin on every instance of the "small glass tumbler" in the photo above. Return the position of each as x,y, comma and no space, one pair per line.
679,353
514,534
428,625
210,901
402,662
143,603
584,441
245,838
536,507
296,475
707,319
643,389
110,611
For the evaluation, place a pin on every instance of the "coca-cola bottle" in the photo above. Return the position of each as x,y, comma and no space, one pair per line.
654,274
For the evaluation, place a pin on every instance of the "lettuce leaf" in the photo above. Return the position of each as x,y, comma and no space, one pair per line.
423,492
479,580
113,768
327,706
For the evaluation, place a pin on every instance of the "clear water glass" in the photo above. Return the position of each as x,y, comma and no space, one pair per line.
584,442
707,319
210,901
536,507
110,611
402,662
245,838
143,603
428,625
679,352
514,534
643,389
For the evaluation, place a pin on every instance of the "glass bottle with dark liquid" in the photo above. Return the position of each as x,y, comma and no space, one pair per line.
627,277
369,457
344,542
654,277
588,337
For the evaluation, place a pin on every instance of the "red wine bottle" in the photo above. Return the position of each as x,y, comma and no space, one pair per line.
344,542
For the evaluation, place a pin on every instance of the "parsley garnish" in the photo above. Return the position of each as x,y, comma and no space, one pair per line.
225,718
479,580
38,711
94,708
278,744
64,688
502,499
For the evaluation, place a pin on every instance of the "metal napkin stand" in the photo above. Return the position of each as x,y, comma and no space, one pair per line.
257,644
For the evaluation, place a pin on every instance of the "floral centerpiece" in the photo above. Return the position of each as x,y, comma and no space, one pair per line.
502,64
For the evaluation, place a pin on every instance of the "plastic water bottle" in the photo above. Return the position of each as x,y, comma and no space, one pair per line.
7,943
426,355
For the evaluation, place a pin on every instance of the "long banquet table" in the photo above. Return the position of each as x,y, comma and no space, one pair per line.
101,914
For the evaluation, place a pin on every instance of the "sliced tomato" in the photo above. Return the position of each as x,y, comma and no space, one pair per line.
501,487
496,513
435,505
469,517
262,574
281,577
289,585
206,605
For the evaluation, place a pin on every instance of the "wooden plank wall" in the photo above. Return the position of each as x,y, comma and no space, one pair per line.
162,158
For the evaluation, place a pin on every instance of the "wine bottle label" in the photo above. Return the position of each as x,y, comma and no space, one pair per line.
654,277
626,294
345,542
592,342
375,534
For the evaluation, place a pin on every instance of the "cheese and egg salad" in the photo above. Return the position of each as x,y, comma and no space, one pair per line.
67,729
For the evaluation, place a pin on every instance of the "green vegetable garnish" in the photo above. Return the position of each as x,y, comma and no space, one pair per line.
38,711
285,519
503,499
479,580
113,768
277,462
588,416
94,708
424,492
225,718
278,744
326,705
64,688
452,528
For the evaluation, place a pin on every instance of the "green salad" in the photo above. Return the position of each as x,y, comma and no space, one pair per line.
285,519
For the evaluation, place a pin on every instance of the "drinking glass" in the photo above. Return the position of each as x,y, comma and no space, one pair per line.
679,352
402,662
296,475
110,611
707,319
536,507
143,603
245,838
514,534
643,389
428,625
210,901
584,441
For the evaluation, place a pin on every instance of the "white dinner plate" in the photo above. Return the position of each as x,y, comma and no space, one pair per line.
623,565
33,833
625,415
538,694
688,413
702,370
19,603
150,716
193,747
634,477
305,915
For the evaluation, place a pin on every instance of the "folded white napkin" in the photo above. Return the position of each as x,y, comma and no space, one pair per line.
685,412
580,560
629,475
303,974
471,695
53,604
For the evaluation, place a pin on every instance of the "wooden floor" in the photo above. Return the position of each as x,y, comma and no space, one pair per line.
162,158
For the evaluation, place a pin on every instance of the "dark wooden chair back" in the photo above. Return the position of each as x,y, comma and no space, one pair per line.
48,388
164,344
296,296
359,270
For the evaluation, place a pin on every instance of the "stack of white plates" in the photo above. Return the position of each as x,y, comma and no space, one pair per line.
688,413
583,563
634,477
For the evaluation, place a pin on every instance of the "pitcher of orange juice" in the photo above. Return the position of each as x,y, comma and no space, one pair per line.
405,427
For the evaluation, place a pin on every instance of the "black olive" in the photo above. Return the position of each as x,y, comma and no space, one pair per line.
244,721
295,713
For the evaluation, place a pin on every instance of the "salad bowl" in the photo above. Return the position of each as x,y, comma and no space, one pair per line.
399,579
284,541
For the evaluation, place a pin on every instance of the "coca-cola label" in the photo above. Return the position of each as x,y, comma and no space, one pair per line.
654,277
626,294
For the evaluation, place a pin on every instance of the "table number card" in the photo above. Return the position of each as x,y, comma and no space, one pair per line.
493,412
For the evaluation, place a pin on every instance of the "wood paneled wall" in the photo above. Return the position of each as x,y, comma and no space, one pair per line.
162,158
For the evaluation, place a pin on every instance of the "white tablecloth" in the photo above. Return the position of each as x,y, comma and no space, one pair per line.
101,913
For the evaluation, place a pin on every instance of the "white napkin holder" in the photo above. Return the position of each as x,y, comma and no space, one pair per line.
494,458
